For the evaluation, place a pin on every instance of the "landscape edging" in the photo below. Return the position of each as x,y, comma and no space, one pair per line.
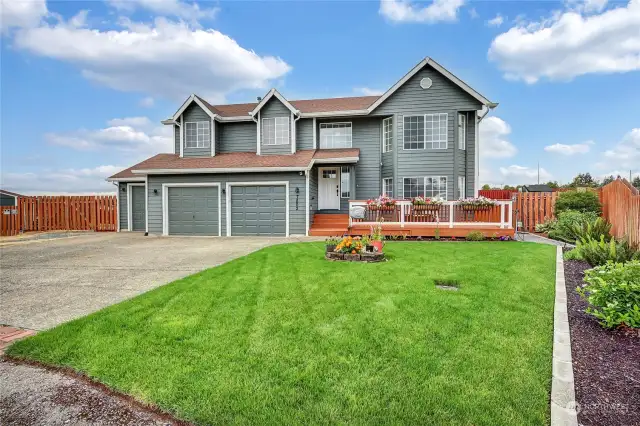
563,397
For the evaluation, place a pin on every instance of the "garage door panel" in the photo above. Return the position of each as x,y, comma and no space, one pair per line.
258,210
193,211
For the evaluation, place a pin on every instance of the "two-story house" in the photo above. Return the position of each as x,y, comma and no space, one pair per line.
267,168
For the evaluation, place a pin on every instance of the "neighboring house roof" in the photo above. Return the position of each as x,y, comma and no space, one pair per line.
235,162
538,188
13,194
360,105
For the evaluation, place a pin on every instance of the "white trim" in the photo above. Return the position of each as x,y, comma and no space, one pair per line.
219,170
130,204
258,134
165,202
213,137
391,133
335,160
196,123
193,98
146,204
315,134
462,142
266,183
292,136
337,122
392,189
234,118
476,158
441,70
348,113
181,137
126,179
275,130
307,206
340,181
118,205
273,92
462,180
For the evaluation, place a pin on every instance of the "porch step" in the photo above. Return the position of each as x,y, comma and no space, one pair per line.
329,225
327,232
342,219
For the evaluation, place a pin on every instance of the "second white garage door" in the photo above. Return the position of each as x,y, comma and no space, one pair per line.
258,210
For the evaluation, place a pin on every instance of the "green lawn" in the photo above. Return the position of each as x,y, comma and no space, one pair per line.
284,337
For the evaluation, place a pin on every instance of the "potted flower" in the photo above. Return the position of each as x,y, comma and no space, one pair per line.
426,204
377,237
476,204
382,203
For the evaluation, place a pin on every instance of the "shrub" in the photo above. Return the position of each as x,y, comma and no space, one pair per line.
587,201
475,236
592,228
547,226
599,252
565,227
613,294
573,255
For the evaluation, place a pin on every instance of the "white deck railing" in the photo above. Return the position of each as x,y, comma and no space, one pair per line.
450,213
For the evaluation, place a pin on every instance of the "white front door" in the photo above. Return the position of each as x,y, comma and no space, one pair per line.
329,188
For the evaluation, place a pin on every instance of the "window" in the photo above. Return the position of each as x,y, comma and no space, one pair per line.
335,135
387,134
435,186
425,131
462,187
413,132
329,174
413,187
275,131
436,131
197,135
462,131
387,187
345,182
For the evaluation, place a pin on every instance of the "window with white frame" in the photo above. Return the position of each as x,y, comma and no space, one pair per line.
335,135
413,128
413,187
436,131
345,182
462,187
462,131
387,134
197,134
387,187
275,131
435,186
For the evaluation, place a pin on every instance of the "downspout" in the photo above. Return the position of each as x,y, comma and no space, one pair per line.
294,146
257,121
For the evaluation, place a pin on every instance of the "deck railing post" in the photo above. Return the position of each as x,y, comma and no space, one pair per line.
350,219
501,215
401,215
451,214
510,223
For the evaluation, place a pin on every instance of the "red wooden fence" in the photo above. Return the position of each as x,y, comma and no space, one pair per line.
497,194
621,206
69,213
531,208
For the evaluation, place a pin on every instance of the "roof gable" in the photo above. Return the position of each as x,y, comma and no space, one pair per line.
267,98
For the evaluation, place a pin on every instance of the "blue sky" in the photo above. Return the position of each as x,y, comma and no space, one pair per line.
85,84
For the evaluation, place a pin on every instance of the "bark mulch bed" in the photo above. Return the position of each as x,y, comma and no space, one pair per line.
606,363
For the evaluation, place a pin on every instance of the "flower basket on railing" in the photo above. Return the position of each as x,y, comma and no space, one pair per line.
381,203
425,204
476,204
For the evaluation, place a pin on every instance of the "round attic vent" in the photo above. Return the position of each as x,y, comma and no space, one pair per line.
425,83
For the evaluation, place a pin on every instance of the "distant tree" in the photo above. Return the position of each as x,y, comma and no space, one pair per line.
486,186
583,179
607,180
553,184
509,188
636,182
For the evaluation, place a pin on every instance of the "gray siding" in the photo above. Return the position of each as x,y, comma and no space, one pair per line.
304,133
194,113
272,109
237,137
297,214
471,154
123,206
442,97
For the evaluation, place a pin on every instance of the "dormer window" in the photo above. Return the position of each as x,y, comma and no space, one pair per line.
197,134
275,131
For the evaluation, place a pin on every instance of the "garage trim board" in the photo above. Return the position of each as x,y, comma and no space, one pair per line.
264,183
130,204
165,202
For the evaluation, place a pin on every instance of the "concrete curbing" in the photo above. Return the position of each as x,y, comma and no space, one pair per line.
563,398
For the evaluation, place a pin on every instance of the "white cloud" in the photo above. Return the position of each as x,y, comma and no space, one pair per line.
570,44
587,6
137,136
516,174
147,102
473,13
367,91
65,181
407,11
578,148
162,59
177,8
496,22
493,139
21,14
625,154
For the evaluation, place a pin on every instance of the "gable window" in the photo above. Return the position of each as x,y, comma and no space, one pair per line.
436,131
387,134
275,131
387,187
462,187
335,135
435,186
197,134
413,187
425,131
413,131
462,131
345,182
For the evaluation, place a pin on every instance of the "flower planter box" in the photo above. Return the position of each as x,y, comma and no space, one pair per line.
348,257
334,255
382,208
351,257
476,208
372,257
426,207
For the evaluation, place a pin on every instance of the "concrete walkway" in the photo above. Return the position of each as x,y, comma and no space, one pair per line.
533,238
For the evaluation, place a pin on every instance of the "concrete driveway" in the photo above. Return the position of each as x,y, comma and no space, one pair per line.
45,283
